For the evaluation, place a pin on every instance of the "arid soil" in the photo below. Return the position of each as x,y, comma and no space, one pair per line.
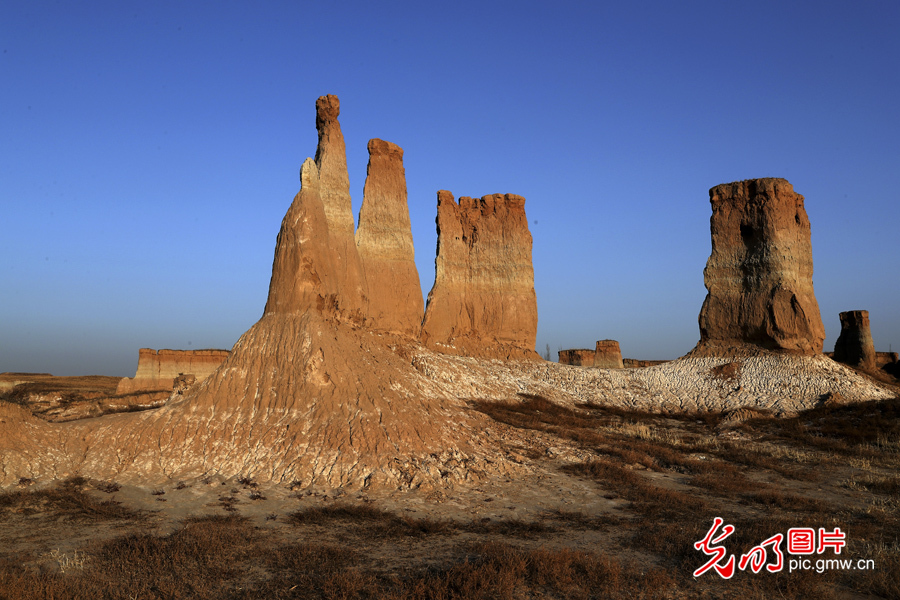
60,399
609,503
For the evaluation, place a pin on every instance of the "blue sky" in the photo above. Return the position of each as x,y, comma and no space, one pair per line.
150,150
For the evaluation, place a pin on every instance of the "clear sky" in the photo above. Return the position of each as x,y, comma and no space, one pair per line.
149,150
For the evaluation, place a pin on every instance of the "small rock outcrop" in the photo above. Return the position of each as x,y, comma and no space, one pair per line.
158,369
759,274
854,345
385,244
483,301
608,355
577,357
334,188
633,363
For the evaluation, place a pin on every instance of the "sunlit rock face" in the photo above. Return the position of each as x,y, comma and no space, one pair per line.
158,369
334,190
854,345
759,274
577,357
483,301
608,355
385,244
305,273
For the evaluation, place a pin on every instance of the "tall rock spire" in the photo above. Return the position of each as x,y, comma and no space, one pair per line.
385,244
334,189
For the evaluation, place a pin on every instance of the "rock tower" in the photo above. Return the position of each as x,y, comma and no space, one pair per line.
158,369
331,162
608,355
320,390
854,345
483,301
759,274
385,244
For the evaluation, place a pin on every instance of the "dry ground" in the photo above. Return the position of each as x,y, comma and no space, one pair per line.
59,399
616,501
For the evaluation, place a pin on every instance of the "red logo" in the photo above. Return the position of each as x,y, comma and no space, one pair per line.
800,541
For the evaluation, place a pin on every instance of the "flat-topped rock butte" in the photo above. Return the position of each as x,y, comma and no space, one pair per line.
483,299
336,386
759,274
157,369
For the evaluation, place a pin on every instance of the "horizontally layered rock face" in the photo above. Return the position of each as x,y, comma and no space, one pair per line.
854,345
608,355
483,301
331,161
577,357
157,369
385,244
759,274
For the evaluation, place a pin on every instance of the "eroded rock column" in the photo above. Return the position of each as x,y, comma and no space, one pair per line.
759,274
854,345
608,355
385,244
158,369
334,188
483,301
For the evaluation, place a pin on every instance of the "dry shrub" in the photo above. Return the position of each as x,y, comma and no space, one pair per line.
311,571
509,527
581,520
724,483
884,580
202,560
494,570
224,557
375,521
779,499
852,429
665,457
674,542
196,560
878,484
68,498
646,498
755,457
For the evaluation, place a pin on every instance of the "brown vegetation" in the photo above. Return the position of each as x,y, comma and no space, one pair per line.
670,474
